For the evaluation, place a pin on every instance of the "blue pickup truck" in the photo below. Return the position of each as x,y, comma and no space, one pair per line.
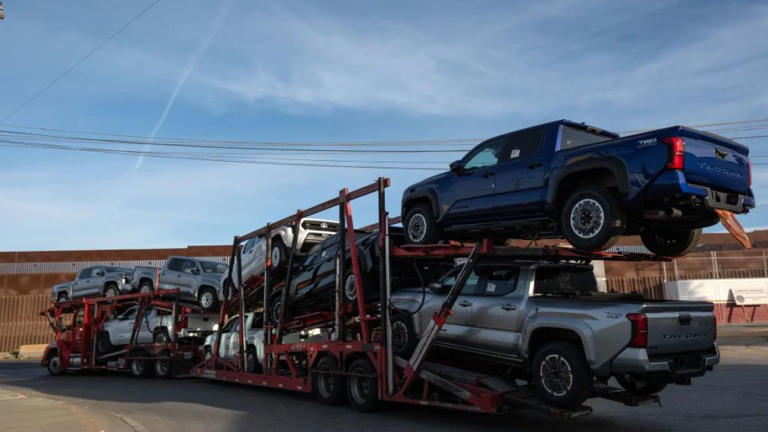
570,179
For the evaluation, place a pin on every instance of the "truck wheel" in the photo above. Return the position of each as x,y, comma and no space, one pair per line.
62,297
274,308
670,243
103,344
279,255
641,387
403,335
208,298
54,364
592,219
327,384
146,287
164,367
111,291
420,225
139,367
561,374
161,336
362,391
253,361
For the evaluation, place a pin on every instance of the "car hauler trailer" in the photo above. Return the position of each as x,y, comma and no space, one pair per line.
347,351
76,346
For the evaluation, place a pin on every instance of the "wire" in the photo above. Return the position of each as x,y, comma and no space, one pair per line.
78,63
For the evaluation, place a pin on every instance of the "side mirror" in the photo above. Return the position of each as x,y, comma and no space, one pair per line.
456,166
196,271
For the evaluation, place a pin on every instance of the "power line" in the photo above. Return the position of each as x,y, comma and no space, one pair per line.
78,63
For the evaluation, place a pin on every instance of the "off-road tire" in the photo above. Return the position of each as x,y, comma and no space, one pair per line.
146,287
561,375
278,247
62,297
592,219
420,225
111,290
161,336
404,338
670,243
215,298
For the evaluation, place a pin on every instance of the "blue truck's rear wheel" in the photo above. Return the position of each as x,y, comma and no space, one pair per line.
671,242
592,219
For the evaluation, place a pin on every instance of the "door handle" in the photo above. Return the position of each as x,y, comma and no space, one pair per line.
178,276
534,165
465,303
488,174
509,307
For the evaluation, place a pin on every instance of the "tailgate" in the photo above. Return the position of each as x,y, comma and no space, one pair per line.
202,323
680,327
715,161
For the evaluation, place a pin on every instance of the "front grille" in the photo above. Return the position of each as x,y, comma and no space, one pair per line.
319,226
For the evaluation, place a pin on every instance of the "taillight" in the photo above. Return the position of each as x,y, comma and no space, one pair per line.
715,332
749,164
675,152
639,330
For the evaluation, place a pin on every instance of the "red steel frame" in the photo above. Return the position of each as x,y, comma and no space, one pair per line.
80,340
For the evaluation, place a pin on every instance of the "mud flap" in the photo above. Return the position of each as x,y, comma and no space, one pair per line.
734,227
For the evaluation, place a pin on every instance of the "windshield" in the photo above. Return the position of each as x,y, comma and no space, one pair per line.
574,137
213,267
573,280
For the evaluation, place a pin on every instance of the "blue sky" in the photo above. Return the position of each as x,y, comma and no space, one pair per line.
335,71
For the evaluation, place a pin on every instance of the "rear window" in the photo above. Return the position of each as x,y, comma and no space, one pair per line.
572,137
564,280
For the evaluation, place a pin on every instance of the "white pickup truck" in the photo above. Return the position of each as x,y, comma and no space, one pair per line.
230,345
156,326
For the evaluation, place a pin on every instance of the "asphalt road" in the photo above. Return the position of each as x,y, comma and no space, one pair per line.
733,397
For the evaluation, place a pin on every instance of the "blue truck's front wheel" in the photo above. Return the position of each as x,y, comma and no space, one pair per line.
592,218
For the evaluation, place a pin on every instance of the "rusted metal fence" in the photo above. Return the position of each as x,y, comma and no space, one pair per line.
21,323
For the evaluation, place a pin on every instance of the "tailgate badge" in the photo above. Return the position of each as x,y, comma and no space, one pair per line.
720,154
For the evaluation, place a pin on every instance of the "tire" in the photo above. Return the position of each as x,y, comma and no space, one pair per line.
404,338
648,387
208,298
161,336
274,308
62,297
328,387
420,225
350,291
278,254
253,361
54,365
670,243
111,291
561,374
362,392
592,219
146,287
103,344
140,368
163,368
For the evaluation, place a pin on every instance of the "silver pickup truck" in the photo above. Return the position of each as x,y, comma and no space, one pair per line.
200,279
549,322
100,280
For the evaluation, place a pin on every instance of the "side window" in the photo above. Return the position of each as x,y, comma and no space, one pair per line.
254,323
249,245
470,287
175,264
501,281
84,273
524,144
128,315
97,272
188,266
231,325
486,155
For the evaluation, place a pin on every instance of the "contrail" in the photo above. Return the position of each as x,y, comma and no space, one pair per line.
191,64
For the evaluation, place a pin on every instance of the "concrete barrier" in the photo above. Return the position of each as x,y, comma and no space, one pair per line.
7,356
32,351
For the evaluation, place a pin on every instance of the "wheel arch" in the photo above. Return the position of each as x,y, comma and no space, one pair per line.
608,172
540,335
428,197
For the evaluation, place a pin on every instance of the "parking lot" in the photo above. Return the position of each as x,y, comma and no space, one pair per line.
733,397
